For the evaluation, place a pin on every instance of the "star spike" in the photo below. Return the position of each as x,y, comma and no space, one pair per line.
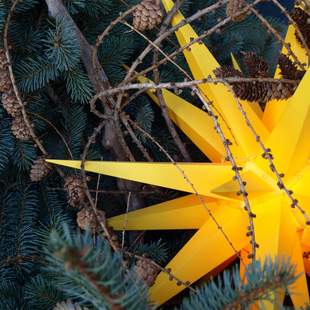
189,211
202,64
276,224
195,123
190,263
290,149
275,108
156,174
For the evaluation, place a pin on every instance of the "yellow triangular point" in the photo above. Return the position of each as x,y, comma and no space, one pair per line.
162,174
204,252
202,64
195,123
189,211
289,141
274,108
276,235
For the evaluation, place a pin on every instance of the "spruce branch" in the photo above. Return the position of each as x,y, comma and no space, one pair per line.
12,77
87,269
233,293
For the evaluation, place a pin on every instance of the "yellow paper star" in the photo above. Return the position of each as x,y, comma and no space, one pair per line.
280,230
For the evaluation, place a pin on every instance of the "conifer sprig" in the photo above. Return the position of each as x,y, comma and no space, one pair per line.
232,292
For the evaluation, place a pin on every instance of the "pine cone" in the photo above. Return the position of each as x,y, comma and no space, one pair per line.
147,15
146,271
5,81
256,65
233,9
75,189
256,91
39,169
288,69
19,129
302,19
3,60
68,305
10,104
86,219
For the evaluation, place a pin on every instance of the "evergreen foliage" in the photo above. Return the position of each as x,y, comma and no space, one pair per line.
87,271
232,293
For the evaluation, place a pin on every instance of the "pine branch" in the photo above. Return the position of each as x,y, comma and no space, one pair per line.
233,293
87,269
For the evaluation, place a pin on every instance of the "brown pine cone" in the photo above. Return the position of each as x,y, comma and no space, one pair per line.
302,19
39,169
86,219
5,81
19,129
147,15
146,271
75,189
10,103
233,9
3,60
289,69
256,65
255,91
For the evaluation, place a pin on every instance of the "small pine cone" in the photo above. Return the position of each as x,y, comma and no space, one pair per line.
147,15
3,60
256,91
20,129
75,189
256,65
10,104
68,305
146,271
39,169
86,219
5,81
233,9
289,69
302,19
241,89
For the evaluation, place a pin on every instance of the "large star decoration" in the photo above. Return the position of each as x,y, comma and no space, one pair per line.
280,230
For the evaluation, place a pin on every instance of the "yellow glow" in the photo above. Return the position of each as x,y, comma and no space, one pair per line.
280,230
